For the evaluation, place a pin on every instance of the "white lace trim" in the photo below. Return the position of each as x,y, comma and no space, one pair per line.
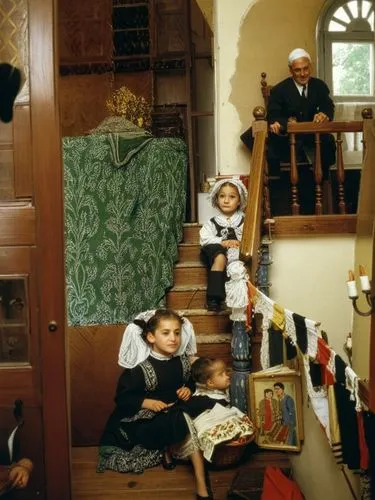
312,337
351,383
160,357
264,306
202,390
290,326
318,399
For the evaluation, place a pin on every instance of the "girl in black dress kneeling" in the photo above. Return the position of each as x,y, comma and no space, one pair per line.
147,419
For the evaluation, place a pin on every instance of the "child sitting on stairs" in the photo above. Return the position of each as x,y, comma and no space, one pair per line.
220,237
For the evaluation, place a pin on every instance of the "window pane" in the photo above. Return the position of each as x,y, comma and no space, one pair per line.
333,26
366,6
342,15
352,69
353,6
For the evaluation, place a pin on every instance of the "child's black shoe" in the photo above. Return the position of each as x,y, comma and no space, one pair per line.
213,305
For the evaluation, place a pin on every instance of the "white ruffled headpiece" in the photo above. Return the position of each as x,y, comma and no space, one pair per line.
237,183
134,349
297,54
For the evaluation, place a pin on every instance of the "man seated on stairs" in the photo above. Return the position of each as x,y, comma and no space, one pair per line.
221,236
300,98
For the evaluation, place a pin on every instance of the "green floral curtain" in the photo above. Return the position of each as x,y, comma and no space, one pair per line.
122,226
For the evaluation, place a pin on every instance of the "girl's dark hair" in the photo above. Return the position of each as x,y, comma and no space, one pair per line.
202,369
152,324
267,390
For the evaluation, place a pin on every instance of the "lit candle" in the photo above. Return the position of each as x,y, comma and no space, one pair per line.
365,282
352,287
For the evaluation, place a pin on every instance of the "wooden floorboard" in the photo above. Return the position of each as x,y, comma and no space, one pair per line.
157,483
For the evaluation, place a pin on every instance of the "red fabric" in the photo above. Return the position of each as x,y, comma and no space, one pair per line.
276,486
267,426
323,357
363,450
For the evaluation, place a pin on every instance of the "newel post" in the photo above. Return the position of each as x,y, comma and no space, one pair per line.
240,348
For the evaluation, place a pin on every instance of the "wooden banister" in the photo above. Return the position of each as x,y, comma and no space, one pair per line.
325,127
254,211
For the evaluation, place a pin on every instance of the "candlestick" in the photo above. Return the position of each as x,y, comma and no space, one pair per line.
352,287
365,282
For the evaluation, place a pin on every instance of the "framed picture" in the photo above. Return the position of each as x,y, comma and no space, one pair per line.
275,405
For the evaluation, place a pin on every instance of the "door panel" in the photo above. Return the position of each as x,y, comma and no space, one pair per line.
32,284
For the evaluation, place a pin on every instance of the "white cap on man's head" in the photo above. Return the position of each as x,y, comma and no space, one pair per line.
297,54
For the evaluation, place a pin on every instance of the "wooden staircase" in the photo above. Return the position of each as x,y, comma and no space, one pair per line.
188,296
213,331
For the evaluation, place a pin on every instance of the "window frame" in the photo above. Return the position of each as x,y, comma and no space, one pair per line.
327,38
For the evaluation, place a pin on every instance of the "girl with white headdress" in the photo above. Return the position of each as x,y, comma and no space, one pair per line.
147,420
220,237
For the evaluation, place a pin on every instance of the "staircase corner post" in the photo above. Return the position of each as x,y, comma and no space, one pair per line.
241,354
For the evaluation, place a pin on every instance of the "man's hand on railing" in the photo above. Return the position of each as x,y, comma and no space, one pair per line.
275,128
321,117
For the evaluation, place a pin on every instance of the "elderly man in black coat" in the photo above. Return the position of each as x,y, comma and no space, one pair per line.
302,98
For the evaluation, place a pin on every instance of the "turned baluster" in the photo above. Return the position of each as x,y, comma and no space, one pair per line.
340,174
293,174
318,176
367,114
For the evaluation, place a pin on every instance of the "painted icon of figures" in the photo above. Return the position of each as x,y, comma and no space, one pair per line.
269,415
276,407
287,433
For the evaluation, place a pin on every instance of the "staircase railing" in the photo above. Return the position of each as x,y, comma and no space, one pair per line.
334,127
257,199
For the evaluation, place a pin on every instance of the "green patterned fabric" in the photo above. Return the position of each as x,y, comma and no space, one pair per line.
122,226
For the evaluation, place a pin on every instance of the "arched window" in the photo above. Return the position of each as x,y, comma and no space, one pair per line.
347,50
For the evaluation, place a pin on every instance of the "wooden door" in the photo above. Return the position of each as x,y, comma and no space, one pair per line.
32,304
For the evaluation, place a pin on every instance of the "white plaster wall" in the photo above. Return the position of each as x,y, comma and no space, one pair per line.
228,16
309,276
252,36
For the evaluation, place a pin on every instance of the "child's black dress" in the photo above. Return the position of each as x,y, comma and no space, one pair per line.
134,437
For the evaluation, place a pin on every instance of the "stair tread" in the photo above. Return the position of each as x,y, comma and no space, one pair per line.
189,263
187,288
203,312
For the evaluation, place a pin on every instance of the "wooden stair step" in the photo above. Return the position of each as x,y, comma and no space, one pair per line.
190,273
187,297
214,345
189,252
207,321
191,232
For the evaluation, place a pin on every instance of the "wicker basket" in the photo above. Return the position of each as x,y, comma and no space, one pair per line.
229,454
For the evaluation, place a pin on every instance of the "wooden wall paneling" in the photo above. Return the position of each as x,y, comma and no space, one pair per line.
6,162
140,83
22,152
16,225
171,88
85,31
82,102
93,355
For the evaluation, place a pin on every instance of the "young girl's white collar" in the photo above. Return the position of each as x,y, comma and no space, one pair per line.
161,357
134,349
233,221
202,390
